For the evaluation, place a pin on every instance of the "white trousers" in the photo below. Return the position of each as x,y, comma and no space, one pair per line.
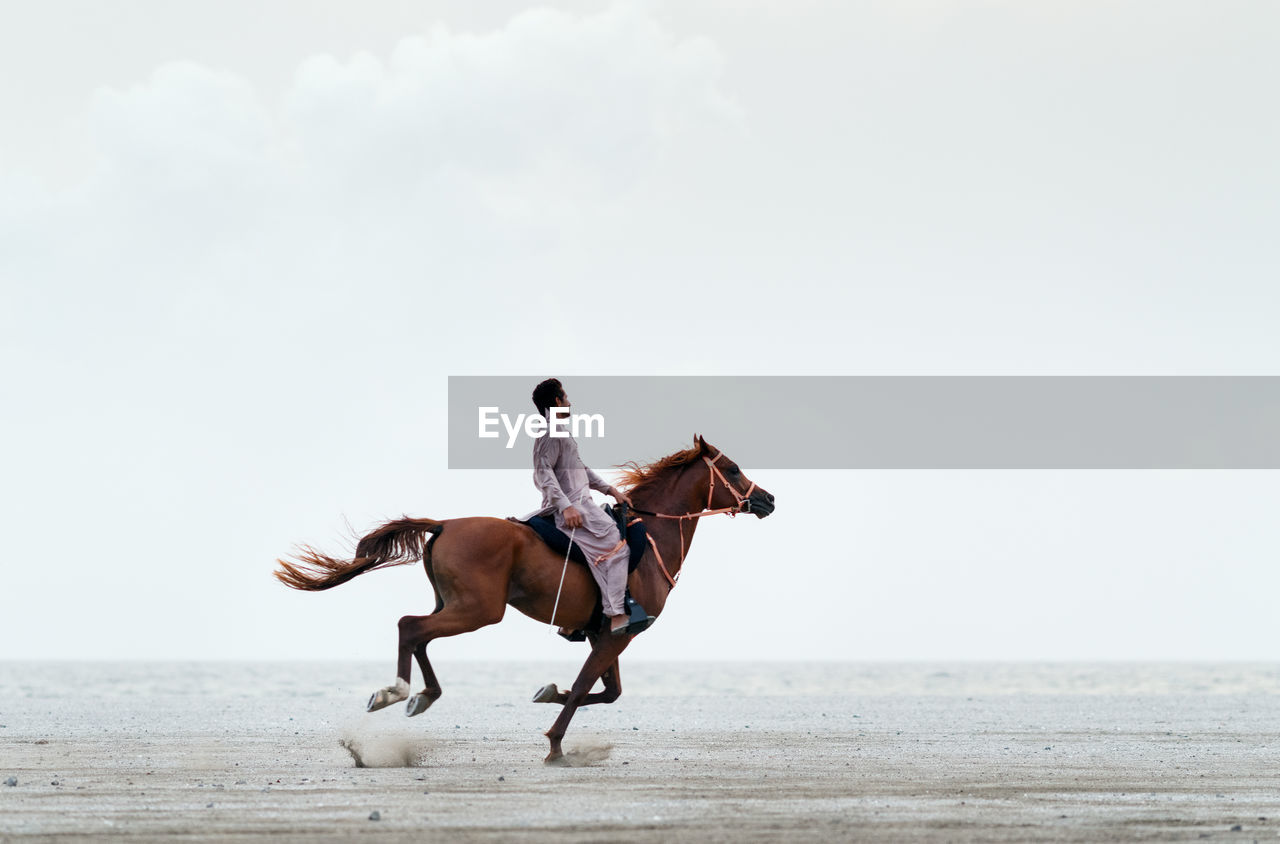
599,535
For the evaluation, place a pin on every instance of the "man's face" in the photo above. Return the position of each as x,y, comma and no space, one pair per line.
560,424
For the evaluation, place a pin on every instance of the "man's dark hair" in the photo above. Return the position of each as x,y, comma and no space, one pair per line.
546,393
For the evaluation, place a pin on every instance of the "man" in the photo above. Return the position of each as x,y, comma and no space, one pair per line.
566,484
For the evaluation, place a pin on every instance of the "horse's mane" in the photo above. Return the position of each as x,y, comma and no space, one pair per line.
636,475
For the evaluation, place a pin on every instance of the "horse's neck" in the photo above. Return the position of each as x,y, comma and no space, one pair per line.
673,536
679,496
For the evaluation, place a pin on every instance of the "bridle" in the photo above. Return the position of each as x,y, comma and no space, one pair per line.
743,505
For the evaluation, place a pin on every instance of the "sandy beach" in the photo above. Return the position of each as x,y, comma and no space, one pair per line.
720,752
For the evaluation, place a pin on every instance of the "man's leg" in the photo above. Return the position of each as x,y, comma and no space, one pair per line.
611,572
611,577
613,583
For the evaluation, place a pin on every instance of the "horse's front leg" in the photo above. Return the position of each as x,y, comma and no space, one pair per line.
604,657
612,678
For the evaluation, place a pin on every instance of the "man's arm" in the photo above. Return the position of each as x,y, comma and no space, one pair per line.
596,482
546,451
601,485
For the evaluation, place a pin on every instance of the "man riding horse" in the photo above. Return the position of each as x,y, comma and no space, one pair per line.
566,483
478,566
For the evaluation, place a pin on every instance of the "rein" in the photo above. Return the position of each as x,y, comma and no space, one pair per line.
563,569
743,505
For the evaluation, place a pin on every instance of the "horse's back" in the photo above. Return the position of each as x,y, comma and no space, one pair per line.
490,562
483,537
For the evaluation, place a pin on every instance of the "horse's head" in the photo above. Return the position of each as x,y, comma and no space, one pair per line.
729,486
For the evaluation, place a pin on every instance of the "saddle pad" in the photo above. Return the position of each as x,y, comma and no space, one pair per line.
558,540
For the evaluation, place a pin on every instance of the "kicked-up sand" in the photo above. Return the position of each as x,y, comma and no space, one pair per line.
714,752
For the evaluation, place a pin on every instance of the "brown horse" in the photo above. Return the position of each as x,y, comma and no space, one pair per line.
479,565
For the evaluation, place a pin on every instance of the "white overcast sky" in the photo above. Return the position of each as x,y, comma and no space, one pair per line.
243,244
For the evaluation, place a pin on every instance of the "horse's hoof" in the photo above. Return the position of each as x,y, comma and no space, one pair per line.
386,696
419,703
555,757
546,694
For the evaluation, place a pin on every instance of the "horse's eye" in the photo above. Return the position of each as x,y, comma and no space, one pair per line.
734,471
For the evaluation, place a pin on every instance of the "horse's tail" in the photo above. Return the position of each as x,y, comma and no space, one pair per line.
396,543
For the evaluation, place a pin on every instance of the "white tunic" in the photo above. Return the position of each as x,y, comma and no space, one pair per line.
566,481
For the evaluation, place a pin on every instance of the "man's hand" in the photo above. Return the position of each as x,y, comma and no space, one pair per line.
572,518
619,495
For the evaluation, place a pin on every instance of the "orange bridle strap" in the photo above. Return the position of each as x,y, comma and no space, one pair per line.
715,474
742,497
656,553
663,566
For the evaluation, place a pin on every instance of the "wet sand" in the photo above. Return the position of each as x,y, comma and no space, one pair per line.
238,752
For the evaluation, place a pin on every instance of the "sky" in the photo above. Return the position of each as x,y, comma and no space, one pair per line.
243,246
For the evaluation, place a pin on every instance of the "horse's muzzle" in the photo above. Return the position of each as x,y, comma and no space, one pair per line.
760,503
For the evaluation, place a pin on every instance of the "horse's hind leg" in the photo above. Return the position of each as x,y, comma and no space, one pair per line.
431,690
388,695
415,632
398,691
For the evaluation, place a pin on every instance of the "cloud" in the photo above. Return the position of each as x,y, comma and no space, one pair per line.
546,114
587,102
187,129
212,201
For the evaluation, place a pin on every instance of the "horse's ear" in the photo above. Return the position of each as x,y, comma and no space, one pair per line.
699,442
